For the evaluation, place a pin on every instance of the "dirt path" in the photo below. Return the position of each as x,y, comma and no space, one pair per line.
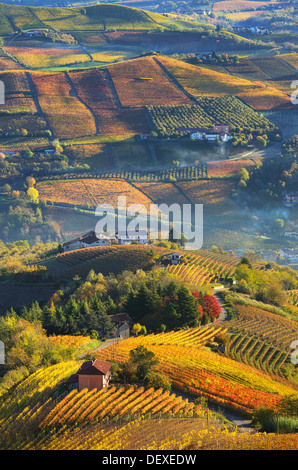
223,316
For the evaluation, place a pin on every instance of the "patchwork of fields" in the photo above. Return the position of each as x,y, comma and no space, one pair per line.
112,102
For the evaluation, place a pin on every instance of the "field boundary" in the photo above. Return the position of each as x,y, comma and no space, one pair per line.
75,94
174,81
36,100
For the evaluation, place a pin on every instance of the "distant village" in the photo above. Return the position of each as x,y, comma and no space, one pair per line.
251,30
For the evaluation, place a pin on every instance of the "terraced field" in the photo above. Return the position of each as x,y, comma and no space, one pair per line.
261,339
204,267
204,373
112,259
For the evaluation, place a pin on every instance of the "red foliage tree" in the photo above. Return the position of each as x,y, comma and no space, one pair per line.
207,304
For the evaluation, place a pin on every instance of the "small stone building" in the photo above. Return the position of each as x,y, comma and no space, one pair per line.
92,374
122,322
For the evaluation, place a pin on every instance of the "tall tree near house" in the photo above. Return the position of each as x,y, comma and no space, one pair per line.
170,316
104,324
187,308
72,315
50,319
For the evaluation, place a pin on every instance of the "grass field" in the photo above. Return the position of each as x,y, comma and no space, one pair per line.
97,17
42,57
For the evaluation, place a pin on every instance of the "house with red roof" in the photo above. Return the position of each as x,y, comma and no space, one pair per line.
91,374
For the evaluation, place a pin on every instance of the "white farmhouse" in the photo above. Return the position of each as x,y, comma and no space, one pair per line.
291,255
128,239
87,240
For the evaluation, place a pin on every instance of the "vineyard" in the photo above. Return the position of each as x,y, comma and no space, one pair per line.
154,179
169,119
111,103
91,192
97,17
261,339
19,117
106,260
230,168
204,267
203,82
274,67
293,297
117,401
162,193
140,82
42,414
203,373
237,5
65,114
192,337
36,58
201,268
214,194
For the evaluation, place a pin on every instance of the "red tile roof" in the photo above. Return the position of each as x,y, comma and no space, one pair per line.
96,367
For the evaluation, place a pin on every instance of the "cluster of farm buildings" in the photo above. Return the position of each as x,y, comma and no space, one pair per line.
93,239
218,132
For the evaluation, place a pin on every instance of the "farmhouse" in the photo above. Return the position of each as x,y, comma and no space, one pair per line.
175,258
92,239
125,239
87,240
122,323
292,234
290,198
219,132
291,255
36,33
91,374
